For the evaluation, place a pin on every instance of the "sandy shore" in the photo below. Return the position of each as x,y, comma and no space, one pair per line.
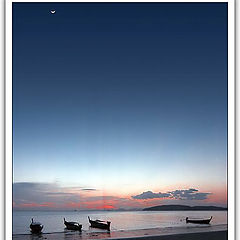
183,233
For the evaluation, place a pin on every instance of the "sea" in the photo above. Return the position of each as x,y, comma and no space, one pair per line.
120,220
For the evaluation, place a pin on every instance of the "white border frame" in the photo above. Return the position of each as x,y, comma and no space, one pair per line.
231,107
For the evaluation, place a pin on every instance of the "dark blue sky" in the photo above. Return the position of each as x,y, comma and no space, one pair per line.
141,87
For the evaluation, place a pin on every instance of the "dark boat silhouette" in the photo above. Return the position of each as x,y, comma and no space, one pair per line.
99,224
73,225
198,221
36,227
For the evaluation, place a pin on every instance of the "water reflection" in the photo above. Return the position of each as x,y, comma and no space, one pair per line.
102,235
36,236
85,235
68,234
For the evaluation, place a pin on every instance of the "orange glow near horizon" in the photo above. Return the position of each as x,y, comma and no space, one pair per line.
100,200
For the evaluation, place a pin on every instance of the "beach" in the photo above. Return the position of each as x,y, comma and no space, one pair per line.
125,225
218,232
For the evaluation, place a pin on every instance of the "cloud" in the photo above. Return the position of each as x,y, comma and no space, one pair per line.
88,189
185,194
190,194
96,198
30,195
151,195
58,194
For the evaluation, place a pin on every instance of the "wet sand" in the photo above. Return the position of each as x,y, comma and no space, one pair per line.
187,233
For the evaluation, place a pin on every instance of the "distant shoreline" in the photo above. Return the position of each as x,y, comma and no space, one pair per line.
184,208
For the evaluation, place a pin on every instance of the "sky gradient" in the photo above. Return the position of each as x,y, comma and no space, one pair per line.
114,100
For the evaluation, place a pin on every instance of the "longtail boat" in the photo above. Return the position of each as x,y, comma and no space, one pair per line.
36,227
73,225
199,221
99,224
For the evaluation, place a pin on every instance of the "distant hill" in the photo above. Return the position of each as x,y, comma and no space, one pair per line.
184,208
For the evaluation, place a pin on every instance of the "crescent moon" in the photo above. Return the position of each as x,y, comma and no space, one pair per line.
53,11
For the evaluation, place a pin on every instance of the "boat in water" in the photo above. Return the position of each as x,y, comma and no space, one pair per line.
73,225
99,224
36,227
198,221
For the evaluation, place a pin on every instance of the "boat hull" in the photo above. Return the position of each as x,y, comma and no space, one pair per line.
73,227
36,228
198,221
97,224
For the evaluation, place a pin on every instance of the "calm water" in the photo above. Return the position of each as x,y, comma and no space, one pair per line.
53,220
